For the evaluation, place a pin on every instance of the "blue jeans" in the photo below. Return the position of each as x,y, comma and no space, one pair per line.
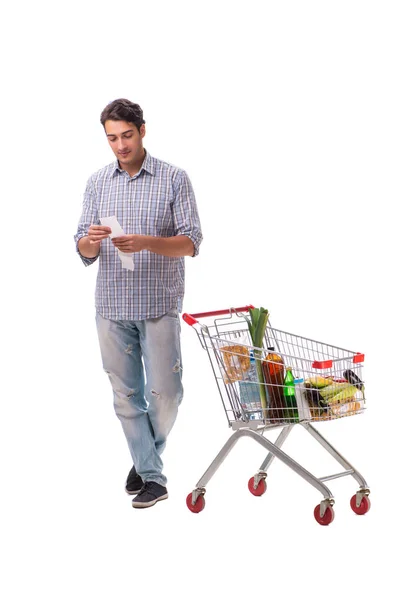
144,365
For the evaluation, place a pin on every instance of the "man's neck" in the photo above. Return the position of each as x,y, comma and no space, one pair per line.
135,167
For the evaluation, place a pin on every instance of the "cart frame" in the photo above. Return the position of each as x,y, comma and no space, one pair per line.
256,430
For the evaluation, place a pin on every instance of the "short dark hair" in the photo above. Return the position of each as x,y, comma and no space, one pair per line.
123,110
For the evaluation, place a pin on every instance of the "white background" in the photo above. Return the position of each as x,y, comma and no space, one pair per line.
286,117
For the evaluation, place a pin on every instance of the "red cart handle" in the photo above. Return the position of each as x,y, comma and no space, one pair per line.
327,364
192,319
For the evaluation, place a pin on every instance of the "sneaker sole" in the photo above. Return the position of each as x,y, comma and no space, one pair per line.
147,504
132,492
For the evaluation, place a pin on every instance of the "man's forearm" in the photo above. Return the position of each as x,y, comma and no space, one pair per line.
179,245
87,249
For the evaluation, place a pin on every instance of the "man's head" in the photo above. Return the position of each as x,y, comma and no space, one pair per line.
125,129
123,110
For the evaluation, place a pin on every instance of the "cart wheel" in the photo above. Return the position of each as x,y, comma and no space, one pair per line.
198,506
260,489
328,516
364,506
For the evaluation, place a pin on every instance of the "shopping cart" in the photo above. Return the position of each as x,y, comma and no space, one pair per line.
328,385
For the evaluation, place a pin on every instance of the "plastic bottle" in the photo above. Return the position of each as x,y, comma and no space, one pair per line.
274,375
252,372
249,391
289,392
255,391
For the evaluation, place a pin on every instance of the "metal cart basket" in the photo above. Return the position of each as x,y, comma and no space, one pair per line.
327,384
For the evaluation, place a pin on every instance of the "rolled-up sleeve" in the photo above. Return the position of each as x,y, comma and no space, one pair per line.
185,213
89,216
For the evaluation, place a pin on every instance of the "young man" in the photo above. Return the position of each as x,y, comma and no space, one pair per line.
140,287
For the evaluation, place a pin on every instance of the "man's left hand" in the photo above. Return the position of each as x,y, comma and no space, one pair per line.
130,243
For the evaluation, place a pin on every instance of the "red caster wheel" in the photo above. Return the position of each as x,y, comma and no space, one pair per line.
364,506
328,516
260,489
198,506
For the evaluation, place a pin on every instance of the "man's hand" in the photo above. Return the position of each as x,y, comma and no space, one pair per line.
131,243
89,245
97,233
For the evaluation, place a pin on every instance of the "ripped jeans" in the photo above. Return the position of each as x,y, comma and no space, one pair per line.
144,365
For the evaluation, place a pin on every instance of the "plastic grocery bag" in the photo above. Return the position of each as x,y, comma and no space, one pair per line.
235,360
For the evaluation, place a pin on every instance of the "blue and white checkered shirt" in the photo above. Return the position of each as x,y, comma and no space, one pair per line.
157,201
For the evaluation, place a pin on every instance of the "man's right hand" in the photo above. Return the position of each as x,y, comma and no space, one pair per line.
89,246
97,233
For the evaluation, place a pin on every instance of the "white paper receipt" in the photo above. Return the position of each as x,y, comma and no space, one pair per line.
116,231
112,222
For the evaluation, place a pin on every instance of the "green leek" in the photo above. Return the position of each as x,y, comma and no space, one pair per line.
257,326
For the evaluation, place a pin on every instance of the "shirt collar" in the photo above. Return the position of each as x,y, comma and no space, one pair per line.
147,165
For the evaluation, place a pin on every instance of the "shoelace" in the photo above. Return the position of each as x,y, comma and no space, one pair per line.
148,487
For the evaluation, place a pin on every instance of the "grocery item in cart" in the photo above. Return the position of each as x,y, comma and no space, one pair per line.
236,359
251,374
303,406
338,393
347,409
333,398
336,411
354,379
249,393
257,325
274,375
250,399
289,394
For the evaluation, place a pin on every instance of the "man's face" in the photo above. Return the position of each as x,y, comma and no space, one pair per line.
126,142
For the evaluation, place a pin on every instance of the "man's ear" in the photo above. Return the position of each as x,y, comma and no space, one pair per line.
142,130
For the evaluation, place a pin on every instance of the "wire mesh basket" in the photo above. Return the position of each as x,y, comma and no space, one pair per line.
328,380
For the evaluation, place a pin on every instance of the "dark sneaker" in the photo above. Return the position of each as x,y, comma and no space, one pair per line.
150,493
134,482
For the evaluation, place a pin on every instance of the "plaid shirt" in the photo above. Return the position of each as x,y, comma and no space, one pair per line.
157,201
